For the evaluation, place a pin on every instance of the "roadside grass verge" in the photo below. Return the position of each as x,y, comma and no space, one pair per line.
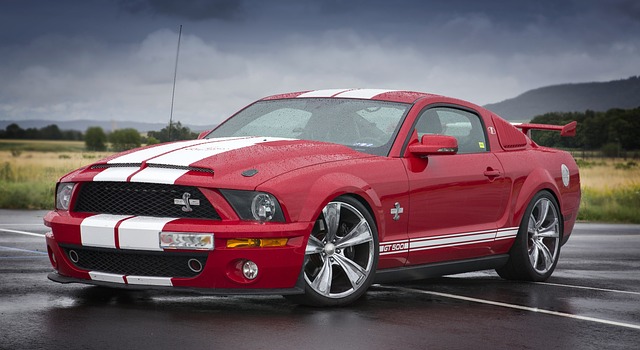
621,204
29,171
41,146
28,179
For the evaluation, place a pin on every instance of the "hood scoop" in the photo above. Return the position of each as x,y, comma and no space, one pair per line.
152,165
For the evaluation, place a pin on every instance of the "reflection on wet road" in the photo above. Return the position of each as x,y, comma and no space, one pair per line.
591,301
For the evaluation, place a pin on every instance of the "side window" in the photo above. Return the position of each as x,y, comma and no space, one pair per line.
464,126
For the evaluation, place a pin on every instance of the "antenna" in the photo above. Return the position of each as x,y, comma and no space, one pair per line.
173,92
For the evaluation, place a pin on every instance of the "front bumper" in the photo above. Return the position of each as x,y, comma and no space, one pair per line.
279,267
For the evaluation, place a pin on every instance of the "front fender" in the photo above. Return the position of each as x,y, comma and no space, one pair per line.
377,182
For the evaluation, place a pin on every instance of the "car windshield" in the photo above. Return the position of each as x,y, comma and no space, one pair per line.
364,125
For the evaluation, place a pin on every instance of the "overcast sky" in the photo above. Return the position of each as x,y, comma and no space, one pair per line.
114,59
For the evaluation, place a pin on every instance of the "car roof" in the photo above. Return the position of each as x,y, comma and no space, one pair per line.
369,94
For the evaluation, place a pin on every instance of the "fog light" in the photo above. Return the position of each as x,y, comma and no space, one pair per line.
73,255
181,240
250,270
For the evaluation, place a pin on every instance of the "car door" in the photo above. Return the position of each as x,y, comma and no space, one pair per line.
455,200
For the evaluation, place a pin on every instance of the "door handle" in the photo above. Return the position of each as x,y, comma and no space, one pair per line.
491,173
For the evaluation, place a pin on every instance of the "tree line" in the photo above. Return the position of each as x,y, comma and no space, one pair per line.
96,139
49,132
614,131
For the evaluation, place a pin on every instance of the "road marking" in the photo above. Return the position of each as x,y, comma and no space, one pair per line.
21,225
589,288
21,250
517,307
22,232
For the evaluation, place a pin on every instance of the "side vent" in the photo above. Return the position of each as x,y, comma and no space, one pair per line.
510,137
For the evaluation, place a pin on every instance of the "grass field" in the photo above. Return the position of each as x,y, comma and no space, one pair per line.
27,178
29,170
41,146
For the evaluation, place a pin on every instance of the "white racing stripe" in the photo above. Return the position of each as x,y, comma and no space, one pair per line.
149,281
119,174
141,233
446,241
452,240
158,175
106,277
363,93
99,230
322,93
517,307
507,233
148,153
134,280
189,155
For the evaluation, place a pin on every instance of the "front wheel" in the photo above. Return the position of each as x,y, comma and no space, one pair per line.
341,255
535,253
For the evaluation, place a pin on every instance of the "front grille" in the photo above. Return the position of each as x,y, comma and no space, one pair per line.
143,199
137,263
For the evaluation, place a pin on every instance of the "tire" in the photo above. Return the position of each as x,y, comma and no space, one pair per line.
534,255
341,255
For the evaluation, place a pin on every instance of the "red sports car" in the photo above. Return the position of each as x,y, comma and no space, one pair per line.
316,195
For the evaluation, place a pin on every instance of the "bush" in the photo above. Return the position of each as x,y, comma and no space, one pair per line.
95,139
124,139
626,166
16,152
611,150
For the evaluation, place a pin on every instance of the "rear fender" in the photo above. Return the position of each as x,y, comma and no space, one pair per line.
538,180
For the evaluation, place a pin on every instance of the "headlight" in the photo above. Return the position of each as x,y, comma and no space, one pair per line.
63,195
253,205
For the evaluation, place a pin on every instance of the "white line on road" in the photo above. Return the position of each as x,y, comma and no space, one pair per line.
21,225
517,307
589,288
20,250
22,232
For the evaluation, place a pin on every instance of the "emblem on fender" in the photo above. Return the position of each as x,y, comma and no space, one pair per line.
396,211
186,202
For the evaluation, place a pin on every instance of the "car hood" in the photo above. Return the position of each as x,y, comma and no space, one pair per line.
238,162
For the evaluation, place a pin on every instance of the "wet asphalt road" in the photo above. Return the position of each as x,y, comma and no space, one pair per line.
591,302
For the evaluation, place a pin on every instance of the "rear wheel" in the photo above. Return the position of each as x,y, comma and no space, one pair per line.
535,253
341,255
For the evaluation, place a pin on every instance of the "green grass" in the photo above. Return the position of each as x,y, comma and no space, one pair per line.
29,171
26,195
41,146
611,205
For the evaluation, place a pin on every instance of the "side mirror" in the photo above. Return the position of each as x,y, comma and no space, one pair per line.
203,134
434,144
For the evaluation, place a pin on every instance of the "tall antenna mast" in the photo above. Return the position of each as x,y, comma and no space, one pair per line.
175,74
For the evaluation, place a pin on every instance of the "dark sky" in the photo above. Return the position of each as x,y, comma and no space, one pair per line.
114,59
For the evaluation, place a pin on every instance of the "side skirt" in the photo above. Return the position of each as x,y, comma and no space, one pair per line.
439,269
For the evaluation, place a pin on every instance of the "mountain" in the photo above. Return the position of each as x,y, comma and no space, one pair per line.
107,126
600,96
597,96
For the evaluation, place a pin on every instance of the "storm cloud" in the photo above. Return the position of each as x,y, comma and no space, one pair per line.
114,60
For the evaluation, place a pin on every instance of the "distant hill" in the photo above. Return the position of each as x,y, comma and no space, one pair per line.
570,98
83,125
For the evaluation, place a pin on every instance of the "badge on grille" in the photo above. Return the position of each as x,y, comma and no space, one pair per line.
186,202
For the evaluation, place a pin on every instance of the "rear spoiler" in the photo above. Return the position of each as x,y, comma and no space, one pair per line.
568,130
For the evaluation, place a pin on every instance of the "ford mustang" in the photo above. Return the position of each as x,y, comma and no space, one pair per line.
316,195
